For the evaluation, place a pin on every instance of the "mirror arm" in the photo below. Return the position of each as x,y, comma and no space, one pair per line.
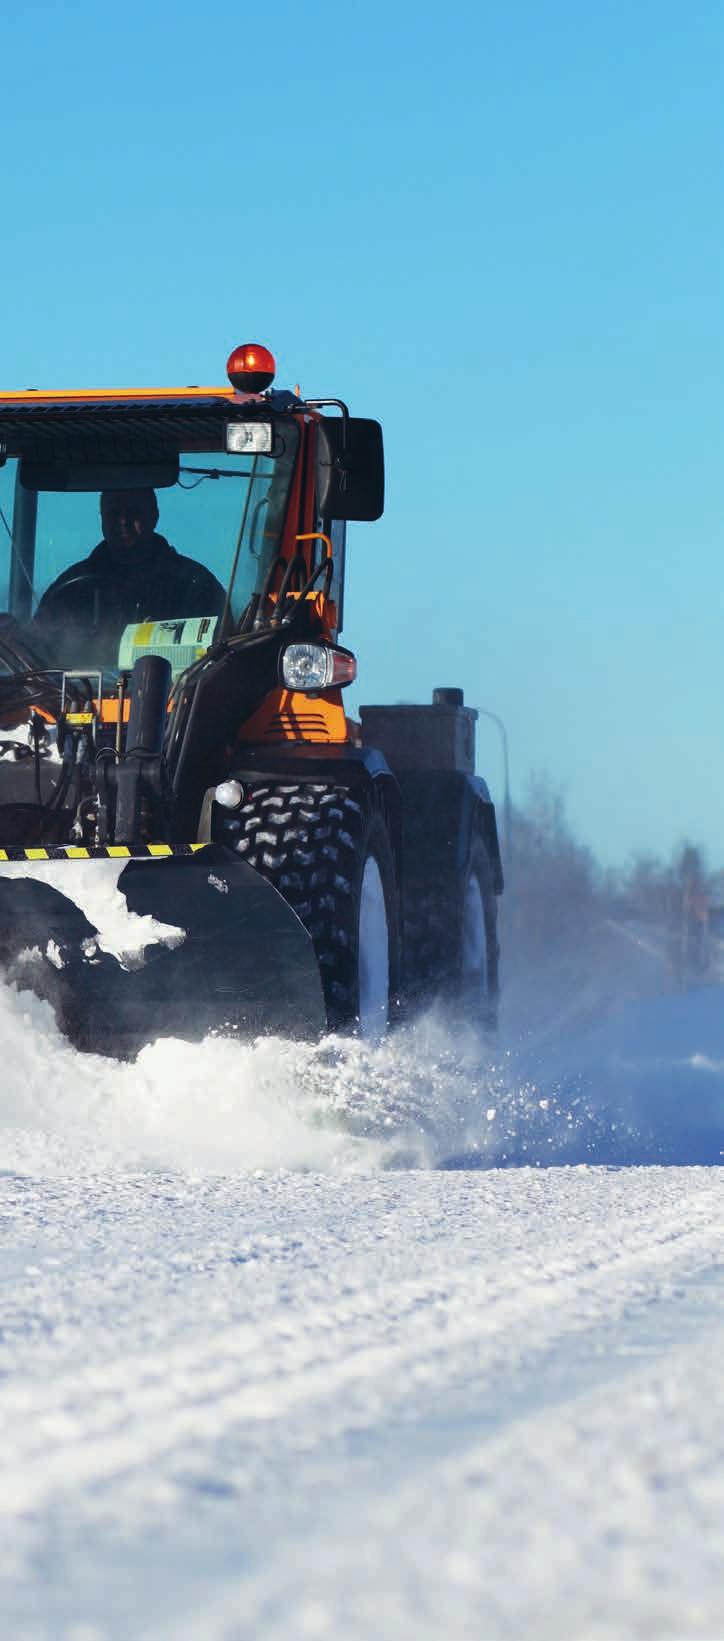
319,404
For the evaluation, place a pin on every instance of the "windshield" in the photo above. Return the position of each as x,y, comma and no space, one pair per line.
84,567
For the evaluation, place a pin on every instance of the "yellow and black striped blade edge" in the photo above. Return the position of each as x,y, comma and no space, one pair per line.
113,851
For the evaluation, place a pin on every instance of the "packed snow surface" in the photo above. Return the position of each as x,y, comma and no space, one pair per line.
366,1341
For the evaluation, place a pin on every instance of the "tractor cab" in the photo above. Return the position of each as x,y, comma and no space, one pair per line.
166,521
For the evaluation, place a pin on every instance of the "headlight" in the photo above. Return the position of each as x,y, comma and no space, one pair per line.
307,666
317,666
249,438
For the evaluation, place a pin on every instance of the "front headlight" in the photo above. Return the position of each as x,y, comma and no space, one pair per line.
317,666
307,666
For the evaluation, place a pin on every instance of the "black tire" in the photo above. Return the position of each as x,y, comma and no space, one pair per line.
476,983
438,953
313,842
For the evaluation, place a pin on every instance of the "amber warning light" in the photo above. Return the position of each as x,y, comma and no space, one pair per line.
251,368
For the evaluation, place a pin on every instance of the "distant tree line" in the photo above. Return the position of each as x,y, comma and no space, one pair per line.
557,892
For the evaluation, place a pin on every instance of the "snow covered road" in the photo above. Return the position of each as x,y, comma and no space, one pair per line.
382,1404
343,1397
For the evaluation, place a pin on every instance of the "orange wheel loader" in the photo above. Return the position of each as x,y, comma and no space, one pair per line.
194,836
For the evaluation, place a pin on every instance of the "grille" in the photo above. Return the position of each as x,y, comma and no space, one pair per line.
287,726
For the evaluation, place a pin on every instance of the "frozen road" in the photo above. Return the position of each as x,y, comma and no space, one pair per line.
359,1394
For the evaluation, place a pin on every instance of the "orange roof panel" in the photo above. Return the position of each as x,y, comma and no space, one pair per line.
98,395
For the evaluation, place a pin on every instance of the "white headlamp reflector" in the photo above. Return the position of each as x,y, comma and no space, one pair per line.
307,666
317,666
249,438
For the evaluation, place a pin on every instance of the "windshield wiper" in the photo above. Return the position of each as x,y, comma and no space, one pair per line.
213,473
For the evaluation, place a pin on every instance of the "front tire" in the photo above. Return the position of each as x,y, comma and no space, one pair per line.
328,852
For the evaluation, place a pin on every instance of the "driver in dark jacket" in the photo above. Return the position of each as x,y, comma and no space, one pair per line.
132,575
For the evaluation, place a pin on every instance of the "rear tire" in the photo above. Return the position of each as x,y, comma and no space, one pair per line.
475,984
451,942
327,850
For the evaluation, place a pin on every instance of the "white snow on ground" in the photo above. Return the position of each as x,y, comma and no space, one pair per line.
290,1346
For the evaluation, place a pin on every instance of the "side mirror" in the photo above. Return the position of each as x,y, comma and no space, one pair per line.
350,468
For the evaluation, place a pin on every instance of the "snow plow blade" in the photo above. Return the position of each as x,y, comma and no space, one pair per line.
129,945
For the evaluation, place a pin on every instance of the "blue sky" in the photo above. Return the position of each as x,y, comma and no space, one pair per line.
498,228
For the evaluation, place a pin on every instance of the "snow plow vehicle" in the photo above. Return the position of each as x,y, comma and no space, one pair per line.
194,836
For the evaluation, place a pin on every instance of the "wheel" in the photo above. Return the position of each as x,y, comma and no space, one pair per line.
475,984
53,605
328,852
451,941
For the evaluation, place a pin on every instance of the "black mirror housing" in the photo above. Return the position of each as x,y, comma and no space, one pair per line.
350,469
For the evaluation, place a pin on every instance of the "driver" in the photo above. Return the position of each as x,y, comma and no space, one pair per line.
132,575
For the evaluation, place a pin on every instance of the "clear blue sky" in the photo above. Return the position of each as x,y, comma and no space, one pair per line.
499,228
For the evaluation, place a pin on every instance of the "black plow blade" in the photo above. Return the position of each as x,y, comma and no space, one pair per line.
179,945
